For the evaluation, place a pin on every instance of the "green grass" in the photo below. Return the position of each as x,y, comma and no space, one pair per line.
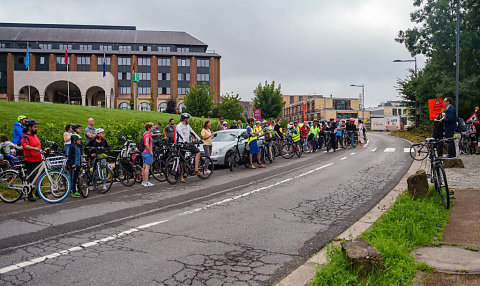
52,119
409,224
413,134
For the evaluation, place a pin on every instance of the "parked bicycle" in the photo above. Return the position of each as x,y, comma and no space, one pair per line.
102,177
240,153
182,164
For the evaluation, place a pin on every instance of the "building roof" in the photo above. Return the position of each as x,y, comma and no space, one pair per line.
93,34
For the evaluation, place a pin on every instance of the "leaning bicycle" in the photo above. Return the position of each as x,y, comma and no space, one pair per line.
51,185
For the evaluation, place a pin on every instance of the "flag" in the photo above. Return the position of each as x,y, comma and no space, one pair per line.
66,57
27,59
104,66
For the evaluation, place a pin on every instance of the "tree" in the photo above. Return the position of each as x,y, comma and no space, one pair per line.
170,107
199,100
151,102
269,99
230,108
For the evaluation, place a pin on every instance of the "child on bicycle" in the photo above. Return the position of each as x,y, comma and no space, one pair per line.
74,162
8,149
98,149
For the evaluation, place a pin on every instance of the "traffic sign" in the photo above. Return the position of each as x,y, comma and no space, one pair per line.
435,107
136,77
474,118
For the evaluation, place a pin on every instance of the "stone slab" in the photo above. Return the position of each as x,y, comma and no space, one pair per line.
449,259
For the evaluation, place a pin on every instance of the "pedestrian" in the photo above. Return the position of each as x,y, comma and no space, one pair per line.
207,136
31,149
220,124
169,130
89,132
225,125
157,133
66,138
98,149
18,130
438,133
239,124
77,129
253,134
8,149
449,125
75,161
234,125
277,129
147,154
472,134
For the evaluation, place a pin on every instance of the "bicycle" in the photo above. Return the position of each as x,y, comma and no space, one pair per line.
52,186
437,175
102,177
265,153
124,169
236,158
182,163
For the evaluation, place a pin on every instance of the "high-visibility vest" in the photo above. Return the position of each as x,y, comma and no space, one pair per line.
296,136
250,137
314,130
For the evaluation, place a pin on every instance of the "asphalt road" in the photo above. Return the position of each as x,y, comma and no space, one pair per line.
247,227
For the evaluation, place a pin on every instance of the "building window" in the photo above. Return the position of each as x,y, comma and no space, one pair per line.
164,49
203,77
162,107
183,62
144,106
105,47
144,90
3,45
124,90
145,48
183,50
123,76
45,46
123,61
65,46
60,60
124,106
124,48
144,61
144,76
394,111
100,61
163,90
42,60
181,107
183,90
346,115
164,62
84,47
83,60
341,104
184,76
203,63
164,76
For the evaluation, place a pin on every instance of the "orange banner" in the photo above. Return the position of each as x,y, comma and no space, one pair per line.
435,107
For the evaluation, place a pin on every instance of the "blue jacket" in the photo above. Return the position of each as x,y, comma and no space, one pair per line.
450,119
75,155
17,133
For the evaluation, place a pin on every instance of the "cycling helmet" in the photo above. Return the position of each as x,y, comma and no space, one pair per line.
234,121
295,122
264,121
322,120
250,119
30,122
75,126
183,116
75,137
99,130
21,117
225,122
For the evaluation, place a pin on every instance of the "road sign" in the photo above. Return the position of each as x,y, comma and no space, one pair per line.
435,107
304,107
474,118
136,77
257,114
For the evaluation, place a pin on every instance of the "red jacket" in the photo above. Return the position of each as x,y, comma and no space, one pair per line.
31,155
304,130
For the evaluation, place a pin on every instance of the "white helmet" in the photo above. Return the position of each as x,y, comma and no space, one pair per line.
99,130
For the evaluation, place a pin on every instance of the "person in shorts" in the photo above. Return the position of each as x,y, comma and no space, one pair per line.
253,143
147,154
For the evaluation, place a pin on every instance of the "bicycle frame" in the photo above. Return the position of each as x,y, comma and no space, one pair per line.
29,184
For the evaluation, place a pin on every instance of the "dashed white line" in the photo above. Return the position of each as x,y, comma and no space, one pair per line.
374,149
353,153
368,141
406,150
343,158
135,229
389,150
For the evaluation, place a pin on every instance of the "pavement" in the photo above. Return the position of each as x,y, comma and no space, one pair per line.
247,227
458,261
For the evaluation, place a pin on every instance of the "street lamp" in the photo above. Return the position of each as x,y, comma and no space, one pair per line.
409,61
363,98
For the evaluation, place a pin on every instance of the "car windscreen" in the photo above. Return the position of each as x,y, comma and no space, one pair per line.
225,137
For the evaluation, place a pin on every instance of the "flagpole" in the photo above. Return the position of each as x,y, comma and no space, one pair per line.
104,73
28,73
68,83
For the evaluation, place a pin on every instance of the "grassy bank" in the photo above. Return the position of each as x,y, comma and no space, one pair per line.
413,134
52,119
408,225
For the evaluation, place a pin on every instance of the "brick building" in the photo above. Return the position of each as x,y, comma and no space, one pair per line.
247,108
320,107
167,63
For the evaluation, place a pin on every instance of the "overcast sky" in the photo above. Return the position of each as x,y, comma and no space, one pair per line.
309,47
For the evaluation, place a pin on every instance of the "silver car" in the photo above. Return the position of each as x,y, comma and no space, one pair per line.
225,142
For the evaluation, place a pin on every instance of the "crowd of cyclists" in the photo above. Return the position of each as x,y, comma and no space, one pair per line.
171,153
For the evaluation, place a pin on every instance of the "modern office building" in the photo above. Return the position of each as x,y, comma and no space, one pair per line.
309,107
168,63
390,115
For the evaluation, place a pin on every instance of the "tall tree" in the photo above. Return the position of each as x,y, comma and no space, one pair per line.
199,100
269,99
230,108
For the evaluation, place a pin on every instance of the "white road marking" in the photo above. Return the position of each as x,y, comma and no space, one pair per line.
353,153
343,158
368,141
406,150
144,226
389,150
374,149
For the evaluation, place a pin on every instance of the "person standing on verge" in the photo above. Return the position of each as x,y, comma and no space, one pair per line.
169,130
220,124
207,136
66,138
449,125
18,130
147,154
90,132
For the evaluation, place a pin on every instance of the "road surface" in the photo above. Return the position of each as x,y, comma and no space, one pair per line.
247,227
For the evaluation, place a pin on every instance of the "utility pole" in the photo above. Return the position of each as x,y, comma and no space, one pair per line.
457,64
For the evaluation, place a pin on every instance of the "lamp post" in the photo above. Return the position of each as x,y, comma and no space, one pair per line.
363,98
408,61
457,56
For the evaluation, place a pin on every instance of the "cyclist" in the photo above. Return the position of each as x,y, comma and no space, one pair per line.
351,129
278,130
331,131
77,129
75,161
234,125
313,135
321,137
169,130
304,130
157,132
362,130
8,149
98,149
268,133
18,130
185,134
472,134
31,149
296,135
340,130
253,134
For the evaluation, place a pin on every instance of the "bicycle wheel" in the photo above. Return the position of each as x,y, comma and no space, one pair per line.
298,152
82,185
138,174
230,160
157,170
126,174
102,179
441,185
10,186
205,167
288,150
56,189
263,154
173,170
343,142
419,151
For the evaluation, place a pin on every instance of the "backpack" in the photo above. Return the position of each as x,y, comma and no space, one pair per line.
141,144
462,127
